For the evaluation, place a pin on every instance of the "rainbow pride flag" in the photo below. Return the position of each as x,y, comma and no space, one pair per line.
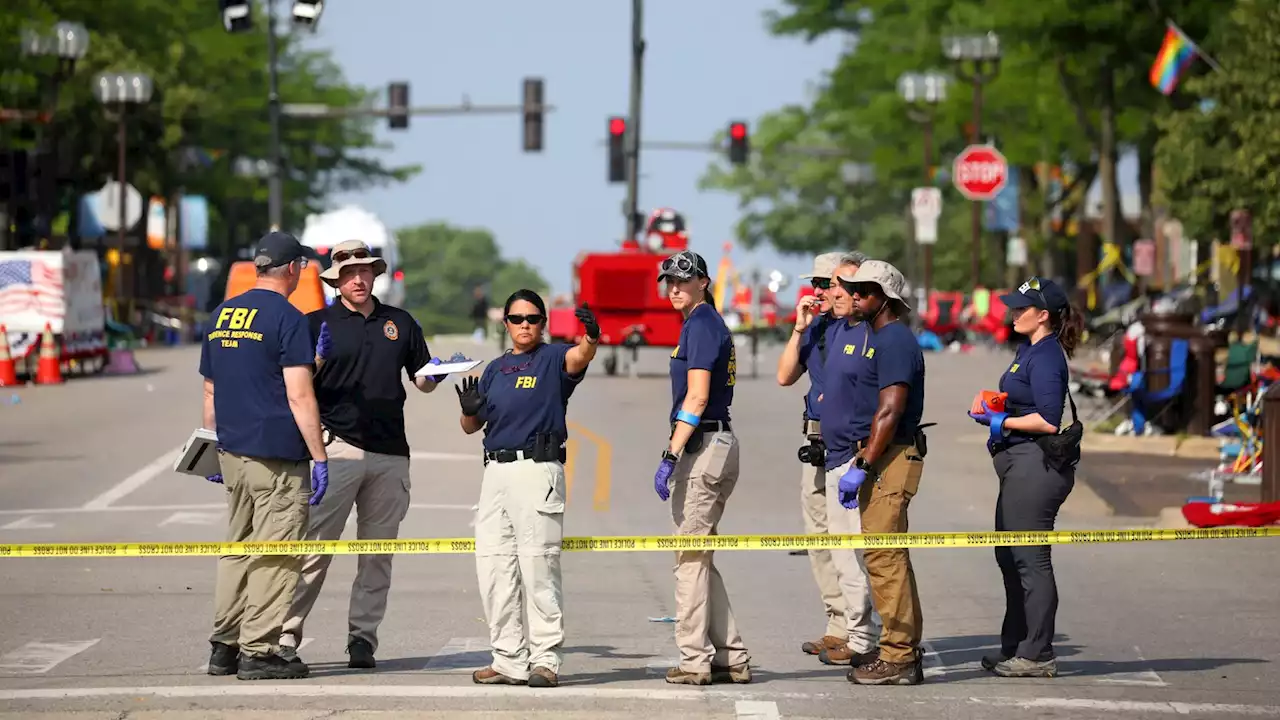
1175,56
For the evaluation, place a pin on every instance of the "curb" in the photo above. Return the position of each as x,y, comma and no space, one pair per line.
1171,518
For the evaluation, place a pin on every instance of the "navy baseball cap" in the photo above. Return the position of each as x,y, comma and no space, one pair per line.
278,248
1037,292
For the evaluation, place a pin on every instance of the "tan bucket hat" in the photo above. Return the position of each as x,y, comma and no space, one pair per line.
348,253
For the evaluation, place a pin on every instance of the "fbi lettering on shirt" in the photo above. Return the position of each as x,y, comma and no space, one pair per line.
235,325
526,382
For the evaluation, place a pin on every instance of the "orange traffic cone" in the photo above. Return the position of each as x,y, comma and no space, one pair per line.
8,371
49,370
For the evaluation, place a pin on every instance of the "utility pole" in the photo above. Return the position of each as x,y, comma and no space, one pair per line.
631,209
275,190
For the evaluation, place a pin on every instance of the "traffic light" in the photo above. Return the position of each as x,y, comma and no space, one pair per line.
739,144
617,149
307,12
533,114
237,15
398,104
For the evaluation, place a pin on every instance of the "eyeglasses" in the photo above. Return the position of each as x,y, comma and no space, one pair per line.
534,319
344,255
521,367
864,289
821,283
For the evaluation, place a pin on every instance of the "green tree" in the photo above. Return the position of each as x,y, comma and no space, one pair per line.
1226,154
209,105
443,265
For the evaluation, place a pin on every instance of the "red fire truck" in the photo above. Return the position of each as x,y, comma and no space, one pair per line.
622,289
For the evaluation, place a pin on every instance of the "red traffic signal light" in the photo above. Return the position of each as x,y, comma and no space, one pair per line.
617,126
617,150
738,142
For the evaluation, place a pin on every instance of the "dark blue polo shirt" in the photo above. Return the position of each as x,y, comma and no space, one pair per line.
811,361
1037,383
526,394
893,357
705,344
255,335
845,361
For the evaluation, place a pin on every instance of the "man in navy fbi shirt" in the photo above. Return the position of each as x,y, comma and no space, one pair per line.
257,368
885,400
808,351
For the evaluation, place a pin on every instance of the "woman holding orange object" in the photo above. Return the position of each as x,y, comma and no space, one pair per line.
1035,453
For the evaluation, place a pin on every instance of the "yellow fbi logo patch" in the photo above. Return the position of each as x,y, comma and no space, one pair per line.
527,382
233,325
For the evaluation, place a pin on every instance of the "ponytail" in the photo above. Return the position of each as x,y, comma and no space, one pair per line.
708,296
1069,325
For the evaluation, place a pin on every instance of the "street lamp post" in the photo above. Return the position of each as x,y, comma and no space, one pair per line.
116,91
923,91
68,43
984,52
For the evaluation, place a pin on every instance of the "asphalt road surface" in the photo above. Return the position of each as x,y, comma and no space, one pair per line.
1147,630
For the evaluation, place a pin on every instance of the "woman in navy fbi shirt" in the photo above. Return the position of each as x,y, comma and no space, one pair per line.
520,401
1032,485
698,472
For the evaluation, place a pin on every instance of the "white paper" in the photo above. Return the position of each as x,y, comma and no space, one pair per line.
200,454
448,368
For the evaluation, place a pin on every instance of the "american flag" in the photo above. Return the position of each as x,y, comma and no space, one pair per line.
30,286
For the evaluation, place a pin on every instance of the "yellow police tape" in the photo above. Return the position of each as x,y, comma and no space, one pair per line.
639,543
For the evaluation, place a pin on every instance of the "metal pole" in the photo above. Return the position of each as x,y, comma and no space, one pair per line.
633,123
120,232
928,182
975,217
275,199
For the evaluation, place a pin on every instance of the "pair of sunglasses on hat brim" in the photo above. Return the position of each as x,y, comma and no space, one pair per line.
352,258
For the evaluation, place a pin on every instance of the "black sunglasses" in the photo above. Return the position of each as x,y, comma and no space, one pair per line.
864,289
821,283
534,319
344,255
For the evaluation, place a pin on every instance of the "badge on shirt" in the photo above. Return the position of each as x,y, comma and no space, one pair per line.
390,330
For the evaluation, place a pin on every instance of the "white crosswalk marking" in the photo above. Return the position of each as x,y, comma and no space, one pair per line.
932,661
37,658
193,518
756,710
461,655
661,665
31,522
1144,678
204,668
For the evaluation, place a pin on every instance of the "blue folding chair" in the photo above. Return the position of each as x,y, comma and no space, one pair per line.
1143,400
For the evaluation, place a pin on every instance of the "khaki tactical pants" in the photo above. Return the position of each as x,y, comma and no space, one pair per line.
706,631
266,501
813,504
893,581
862,621
378,485
519,527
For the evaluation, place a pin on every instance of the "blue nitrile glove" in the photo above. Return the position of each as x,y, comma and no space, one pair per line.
994,420
663,477
319,481
215,478
324,344
436,378
849,485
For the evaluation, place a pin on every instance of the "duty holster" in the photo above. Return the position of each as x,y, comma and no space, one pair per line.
547,448
815,451
921,441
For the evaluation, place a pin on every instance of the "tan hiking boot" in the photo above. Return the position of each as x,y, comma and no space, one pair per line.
739,674
846,656
489,676
879,672
543,677
676,676
828,642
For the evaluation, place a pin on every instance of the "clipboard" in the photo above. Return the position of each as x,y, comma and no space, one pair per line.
199,456
448,368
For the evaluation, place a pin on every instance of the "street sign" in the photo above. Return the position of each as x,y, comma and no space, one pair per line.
105,204
926,206
980,172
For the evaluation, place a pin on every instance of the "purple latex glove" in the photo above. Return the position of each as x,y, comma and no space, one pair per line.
436,378
662,478
319,481
849,485
993,420
324,344
215,478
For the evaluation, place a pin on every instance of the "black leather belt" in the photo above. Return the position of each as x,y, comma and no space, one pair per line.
506,456
714,426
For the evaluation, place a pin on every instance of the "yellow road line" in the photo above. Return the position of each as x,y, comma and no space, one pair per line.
570,462
604,466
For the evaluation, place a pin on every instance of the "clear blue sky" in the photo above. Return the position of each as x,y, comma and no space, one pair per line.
707,61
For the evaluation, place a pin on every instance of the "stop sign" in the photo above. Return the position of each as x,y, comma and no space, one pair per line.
980,172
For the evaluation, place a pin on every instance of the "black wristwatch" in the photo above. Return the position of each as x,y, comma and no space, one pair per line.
862,464
668,455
